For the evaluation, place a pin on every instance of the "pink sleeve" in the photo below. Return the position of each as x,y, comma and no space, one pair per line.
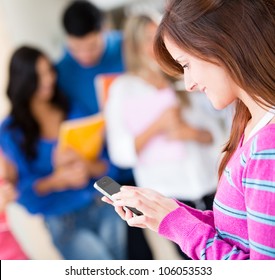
194,231
259,191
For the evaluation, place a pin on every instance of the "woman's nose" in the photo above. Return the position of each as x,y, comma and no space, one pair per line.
190,85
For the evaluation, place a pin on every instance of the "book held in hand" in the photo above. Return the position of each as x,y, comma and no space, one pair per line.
84,135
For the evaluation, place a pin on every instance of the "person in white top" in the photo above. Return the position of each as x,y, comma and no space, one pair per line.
168,145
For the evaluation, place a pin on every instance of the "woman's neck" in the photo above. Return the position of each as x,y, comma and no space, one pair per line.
49,119
40,109
257,112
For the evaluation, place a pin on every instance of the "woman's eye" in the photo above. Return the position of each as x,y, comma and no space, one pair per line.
185,66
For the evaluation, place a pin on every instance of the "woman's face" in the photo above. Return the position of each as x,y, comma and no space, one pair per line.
204,76
46,79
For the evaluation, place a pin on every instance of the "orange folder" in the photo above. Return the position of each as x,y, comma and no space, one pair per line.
84,135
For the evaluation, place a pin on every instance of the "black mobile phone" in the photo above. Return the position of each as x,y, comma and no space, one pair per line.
107,186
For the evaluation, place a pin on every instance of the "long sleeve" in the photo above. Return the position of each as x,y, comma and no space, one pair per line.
26,178
194,231
243,218
120,142
259,190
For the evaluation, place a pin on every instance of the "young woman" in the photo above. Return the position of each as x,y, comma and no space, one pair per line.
226,50
56,184
147,129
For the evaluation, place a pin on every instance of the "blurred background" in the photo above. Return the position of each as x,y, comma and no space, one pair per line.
38,23
21,22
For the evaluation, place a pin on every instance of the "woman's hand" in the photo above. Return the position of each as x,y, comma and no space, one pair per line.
152,204
184,132
68,158
73,176
64,157
71,171
7,194
205,137
169,119
7,169
96,168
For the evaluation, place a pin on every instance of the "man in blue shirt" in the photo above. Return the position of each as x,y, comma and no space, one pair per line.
90,51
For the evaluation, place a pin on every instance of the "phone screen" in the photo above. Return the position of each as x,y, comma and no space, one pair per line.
108,187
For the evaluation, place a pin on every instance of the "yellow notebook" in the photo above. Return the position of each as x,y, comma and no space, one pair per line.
84,135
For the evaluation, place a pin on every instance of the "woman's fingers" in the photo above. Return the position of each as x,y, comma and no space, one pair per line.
141,222
120,211
107,200
155,199
128,191
137,201
65,157
128,213
146,192
152,204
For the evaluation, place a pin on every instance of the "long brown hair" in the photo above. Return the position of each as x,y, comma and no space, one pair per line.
238,35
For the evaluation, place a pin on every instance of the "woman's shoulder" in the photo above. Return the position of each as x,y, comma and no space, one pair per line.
128,82
9,134
126,78
264,140
124,84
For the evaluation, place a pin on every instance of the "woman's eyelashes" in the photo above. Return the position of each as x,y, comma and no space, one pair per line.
185,66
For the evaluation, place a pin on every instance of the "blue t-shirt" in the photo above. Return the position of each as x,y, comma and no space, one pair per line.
77,82
29,171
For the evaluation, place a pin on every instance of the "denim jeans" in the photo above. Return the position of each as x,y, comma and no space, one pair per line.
94,232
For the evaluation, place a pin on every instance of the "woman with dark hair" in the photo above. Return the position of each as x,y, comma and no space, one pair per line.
226,50
56,184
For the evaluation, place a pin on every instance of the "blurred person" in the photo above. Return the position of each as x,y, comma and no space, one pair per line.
90,50
10,249
54,183
147,129
213,44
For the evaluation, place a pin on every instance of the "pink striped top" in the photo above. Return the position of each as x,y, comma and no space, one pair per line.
242,223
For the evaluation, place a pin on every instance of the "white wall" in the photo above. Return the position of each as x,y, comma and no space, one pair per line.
36,22
5,51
